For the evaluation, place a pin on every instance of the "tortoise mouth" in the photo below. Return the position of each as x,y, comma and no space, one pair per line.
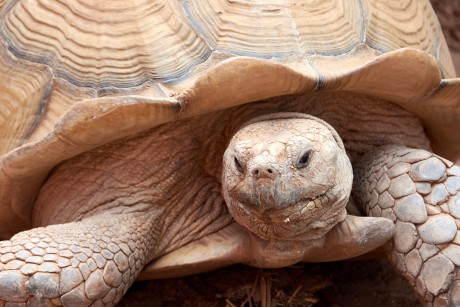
304,207
302,220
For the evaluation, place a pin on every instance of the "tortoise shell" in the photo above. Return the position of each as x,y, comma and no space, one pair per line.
77,74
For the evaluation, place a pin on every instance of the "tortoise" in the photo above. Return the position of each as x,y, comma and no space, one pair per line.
150,139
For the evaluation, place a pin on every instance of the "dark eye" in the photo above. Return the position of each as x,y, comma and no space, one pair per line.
303,161
238,165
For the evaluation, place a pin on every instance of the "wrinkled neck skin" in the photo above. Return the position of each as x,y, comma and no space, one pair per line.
176,171
158,173
287,179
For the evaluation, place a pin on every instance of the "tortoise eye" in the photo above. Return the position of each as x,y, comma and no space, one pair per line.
303,161
238,165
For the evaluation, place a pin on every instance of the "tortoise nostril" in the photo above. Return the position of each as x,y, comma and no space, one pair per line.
263,172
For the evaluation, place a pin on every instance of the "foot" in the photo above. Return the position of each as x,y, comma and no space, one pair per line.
419,192
91,262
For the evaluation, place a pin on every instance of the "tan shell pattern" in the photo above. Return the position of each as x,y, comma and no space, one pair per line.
55,53
75,74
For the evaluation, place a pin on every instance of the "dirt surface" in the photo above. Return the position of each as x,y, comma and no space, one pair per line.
351,283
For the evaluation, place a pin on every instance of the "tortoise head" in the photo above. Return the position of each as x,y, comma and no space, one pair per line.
287,177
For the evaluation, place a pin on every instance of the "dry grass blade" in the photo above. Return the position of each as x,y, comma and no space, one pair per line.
265,291
250,295
288,303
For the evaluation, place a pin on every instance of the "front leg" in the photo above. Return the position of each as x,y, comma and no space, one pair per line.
419,192
91,262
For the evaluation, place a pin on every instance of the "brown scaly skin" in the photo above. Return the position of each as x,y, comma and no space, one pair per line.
57,265
419,191
162,218
126,221
415,189
89,262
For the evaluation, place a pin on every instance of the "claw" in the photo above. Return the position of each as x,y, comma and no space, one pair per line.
352,237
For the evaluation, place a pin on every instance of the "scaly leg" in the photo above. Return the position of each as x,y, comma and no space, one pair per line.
91,262
419,191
